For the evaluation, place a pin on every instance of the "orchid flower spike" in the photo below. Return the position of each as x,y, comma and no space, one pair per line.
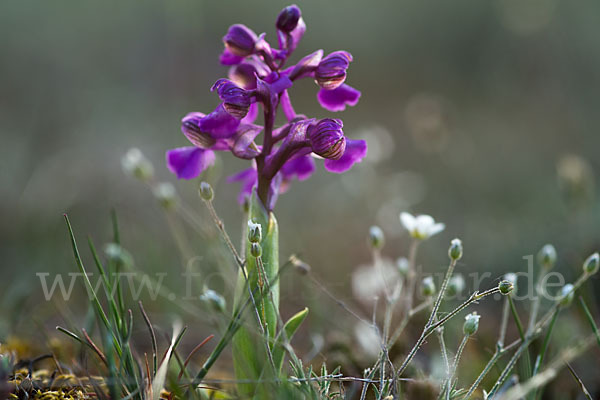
258,79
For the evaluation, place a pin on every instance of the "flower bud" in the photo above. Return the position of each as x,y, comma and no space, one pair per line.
118,254
236,101
327,138
456,284
206,191
254,232
331,72
456,250
137,165
512,278
591,264
246,204
213,299
403,266
300,266
240,40
567,293
547,256
376,237
505,287
165,194
427,286
190,126
288,18
471,324
255,250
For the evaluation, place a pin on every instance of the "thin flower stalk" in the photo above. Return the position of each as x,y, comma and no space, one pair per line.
428,330
454,367
515,315
540,358
536,331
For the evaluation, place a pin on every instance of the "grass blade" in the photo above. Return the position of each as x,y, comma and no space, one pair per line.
152,337
97,306
588,314
581,385
161,375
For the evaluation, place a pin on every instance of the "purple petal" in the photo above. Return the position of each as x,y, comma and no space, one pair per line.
242,146
189,162
302,167
274,191
355,151
288,18
306,66
281,84
296,35
286,106
219,123
252,114
337,99
248,177
228,58
240,40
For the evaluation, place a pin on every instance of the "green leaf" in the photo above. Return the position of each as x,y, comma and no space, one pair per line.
249,353
289,328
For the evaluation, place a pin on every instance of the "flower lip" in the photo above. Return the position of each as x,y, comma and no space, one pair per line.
331,71
327,138
236,100
288,18
240,40
190,126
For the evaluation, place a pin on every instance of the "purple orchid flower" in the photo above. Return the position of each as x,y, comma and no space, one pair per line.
258,79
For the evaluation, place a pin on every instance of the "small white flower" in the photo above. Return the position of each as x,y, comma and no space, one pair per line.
422,226
371,281
367,339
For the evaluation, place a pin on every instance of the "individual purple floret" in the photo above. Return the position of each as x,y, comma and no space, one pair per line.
258,79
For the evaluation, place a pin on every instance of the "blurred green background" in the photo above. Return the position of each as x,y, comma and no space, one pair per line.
480,113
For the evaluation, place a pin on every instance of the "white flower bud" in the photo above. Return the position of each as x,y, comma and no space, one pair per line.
255,250
165,194
134,163
471,324
403,266
376,237
206,191
213,299
455,251
254,232
428,286
456,284
547,256
567,294
591,264
512,278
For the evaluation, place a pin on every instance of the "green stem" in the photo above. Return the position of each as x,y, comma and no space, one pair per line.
486,369
590,319
540,357
515,315
457,357
429,329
